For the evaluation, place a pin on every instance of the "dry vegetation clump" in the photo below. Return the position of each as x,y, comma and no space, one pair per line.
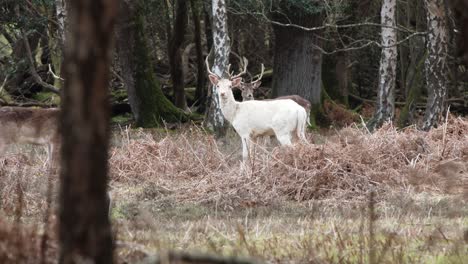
338,114
23,244
192,166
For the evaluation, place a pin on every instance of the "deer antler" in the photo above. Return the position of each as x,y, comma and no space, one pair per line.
261,74
208,66
245,63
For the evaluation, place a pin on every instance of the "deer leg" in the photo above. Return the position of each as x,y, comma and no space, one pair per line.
2,148
245,148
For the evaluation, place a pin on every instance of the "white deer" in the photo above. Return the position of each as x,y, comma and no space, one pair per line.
20,125
250,119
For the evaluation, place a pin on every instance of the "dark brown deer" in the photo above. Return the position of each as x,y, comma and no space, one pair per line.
21,125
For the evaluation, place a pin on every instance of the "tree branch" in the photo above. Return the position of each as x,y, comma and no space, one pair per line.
32,68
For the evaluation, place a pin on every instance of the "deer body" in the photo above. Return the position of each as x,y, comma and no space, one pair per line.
250,119
20,125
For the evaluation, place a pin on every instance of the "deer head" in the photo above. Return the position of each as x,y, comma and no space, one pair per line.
248,88
224,85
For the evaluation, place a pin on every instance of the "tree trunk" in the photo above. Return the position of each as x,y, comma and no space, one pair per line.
175,54
221,45
459,8
342,76
436,62
298,63
57,55
149,105
200,92
84,228
387,73
414,81
61,13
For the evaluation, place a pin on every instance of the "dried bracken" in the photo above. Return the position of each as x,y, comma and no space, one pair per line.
191,166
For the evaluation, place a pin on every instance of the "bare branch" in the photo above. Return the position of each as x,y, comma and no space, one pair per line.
53,74
3,84
32,68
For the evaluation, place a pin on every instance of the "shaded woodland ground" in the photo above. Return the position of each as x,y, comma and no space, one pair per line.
184,191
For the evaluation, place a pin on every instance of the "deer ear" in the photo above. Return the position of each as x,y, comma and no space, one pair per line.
236,82
257,84
213,79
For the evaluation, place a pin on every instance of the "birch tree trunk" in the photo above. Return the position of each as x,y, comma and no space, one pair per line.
61,13
57,55
221,46
436,62
387,73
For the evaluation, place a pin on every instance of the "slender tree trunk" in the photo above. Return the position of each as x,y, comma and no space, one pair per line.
387,74
200,92
57,55
149,105
84,229
175,54
460,8
207,7
342,76
414,81
436,62
221,45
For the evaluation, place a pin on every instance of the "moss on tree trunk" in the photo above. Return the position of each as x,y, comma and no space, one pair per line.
154,106
149,105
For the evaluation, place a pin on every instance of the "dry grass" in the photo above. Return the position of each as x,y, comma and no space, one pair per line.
304,204
191,167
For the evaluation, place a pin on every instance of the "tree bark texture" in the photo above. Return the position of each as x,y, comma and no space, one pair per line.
61,13
149,105
387,73
297,64
436,62
84,228
221,46
175,54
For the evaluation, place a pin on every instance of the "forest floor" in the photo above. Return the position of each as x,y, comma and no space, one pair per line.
394,196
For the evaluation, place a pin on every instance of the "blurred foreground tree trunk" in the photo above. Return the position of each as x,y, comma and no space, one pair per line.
149,105
175,54
84,228
221,46
385,109
436,62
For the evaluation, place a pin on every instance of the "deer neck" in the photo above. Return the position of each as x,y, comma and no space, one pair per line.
229,107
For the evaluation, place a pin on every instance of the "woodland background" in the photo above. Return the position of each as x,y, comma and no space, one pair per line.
363,191
161,45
